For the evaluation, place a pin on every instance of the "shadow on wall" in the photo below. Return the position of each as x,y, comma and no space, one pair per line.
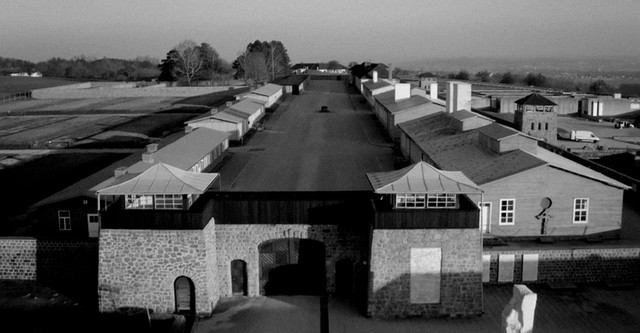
71,268
460,294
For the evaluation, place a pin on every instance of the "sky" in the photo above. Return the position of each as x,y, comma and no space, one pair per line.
315,30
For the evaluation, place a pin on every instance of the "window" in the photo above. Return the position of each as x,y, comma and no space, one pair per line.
64,220
507,211
441,201
539,126
532,126
580,210
410,201
169,201
137,201
93,218
546,126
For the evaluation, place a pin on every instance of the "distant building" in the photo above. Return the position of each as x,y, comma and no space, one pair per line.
604,106
364,72
536,115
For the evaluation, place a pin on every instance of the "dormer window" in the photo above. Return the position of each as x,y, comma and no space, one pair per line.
429,201
441,201
410,200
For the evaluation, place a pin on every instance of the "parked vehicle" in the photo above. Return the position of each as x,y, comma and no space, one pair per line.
623,124
584,136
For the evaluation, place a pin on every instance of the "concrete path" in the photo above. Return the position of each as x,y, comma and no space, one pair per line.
588,309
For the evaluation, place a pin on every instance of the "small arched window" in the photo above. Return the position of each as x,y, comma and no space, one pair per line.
539,126
532,126
546,126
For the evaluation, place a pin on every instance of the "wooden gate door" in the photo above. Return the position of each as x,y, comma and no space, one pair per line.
292,266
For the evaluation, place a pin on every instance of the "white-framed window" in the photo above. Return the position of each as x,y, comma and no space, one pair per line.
64,220
580,210
410,200
441,201
169,201
139,201
93,218
507,211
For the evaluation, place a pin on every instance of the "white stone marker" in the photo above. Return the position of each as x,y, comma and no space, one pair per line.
506,263
425,275
518,315
530,267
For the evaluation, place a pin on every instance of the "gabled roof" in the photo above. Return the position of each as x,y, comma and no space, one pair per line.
364,69
186,151
387,99
162,179
376,85
305,65
247,107
232,117
535,99
291,80
269,89
497,131
422,178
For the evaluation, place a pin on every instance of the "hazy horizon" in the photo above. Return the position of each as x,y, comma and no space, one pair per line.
313,31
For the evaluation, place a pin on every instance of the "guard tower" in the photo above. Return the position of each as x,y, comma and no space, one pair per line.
536,115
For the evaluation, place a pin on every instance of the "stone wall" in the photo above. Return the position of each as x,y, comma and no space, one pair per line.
139,267
88,91
18,258
240,241
390,273
574,265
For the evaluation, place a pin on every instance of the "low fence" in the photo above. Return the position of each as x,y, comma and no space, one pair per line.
561,265
16,97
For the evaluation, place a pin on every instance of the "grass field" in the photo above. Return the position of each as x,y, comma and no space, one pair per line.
17,84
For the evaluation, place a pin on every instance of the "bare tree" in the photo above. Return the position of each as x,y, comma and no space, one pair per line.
188,61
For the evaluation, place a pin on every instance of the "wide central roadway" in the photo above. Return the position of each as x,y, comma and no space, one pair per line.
303,149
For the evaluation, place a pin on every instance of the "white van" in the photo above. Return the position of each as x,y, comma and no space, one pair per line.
584,136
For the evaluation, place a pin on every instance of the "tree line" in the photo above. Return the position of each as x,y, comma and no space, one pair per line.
86,68
187,63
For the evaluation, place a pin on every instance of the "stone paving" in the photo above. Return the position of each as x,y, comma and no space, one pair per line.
590,308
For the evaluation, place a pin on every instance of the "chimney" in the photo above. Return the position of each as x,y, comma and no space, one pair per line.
390,69
119,172
152,147
617,95
375,76
214,110
229,103
402,91
458,96
433,90
188,129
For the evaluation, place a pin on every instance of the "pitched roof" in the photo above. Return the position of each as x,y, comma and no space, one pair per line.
305,65
376,85
291,80
186,151
230,116
268,89
387,99
422,178
534,99
454,150
364,69
162,179
497,131
247,106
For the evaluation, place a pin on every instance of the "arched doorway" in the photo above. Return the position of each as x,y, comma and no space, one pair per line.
292,266
185,295
344,276
238,277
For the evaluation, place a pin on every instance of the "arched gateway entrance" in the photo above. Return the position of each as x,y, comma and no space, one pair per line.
185,295
292,266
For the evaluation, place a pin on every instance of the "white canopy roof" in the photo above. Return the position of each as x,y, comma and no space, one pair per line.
422,178
162,179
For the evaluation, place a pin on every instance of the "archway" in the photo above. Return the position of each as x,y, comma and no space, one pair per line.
238,277
292,266
185,295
